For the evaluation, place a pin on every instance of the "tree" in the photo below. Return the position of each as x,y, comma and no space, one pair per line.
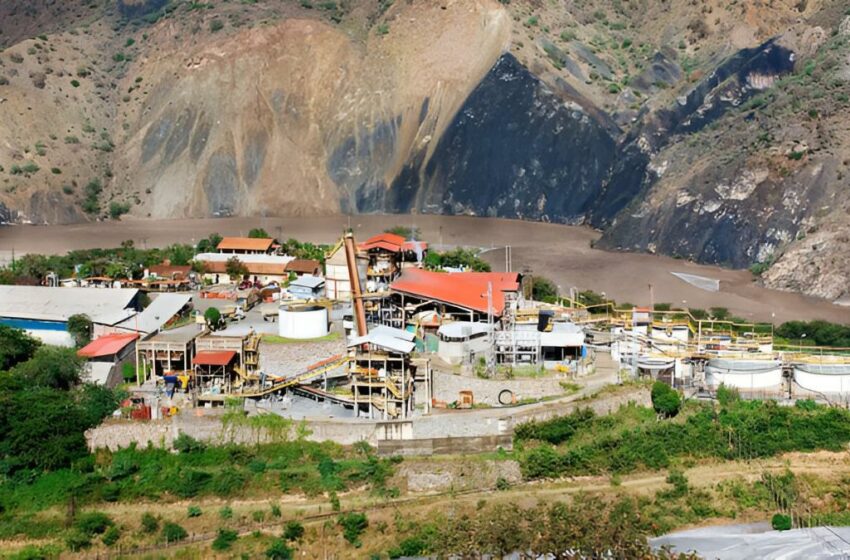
210,244
258,233
665,399
543,289
80,327
353,524
235,268
16,346
213,317
278,550
51,366
43,429
781,522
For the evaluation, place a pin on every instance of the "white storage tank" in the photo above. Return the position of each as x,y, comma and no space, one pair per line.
302,321
742,373
825,378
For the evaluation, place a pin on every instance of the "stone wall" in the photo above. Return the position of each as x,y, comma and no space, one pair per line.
114,434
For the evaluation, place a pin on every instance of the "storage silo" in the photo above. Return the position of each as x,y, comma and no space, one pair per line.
302,321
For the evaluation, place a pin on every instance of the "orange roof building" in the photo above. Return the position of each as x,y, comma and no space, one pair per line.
107,345
245,245
305,266
465,290
219,358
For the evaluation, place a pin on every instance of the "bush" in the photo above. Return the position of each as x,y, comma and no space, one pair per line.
93,523
77,541
149,523
172,532
276,510
213,317
293,531
224,539
226,512
118,209
665,400
184,443
216,25
278,550
80,328
353,525
194,511
111,536
781,522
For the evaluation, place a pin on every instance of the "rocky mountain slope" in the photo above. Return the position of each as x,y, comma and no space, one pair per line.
716,131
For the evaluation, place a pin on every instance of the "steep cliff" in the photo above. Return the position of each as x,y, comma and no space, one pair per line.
707,130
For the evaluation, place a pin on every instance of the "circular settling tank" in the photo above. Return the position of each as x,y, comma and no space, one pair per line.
743,373
303,321
832,379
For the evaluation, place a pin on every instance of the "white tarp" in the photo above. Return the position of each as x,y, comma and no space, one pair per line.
744,542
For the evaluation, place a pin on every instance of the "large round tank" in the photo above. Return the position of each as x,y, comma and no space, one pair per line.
832,379
742,373
302,321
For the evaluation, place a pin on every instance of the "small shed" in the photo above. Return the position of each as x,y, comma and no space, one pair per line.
307,287
213,370
106,356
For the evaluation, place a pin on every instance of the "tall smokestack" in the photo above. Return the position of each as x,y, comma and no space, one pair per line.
354,278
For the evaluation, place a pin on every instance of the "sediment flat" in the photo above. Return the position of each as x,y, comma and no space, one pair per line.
559,252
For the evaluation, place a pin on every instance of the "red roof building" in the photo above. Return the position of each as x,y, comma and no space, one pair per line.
466,290
107,345
214,357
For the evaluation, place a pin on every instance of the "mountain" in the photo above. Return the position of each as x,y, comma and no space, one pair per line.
708,130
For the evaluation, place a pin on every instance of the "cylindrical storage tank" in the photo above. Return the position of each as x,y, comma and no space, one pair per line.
744,374
302,321
831,379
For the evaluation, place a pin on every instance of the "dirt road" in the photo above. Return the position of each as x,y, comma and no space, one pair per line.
562,253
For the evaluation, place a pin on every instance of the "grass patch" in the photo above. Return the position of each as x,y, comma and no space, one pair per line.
275,339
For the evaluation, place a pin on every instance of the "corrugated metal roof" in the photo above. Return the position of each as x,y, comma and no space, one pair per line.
387,338
467,290
102,305
308,281
157,314
213,357
107,345
245,244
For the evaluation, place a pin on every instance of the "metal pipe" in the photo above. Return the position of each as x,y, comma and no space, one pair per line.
354,277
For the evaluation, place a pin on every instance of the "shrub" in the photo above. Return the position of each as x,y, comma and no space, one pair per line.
278,550
194,511
93,523
258,516
224,539
213,317
77,541
216,25
172,532
353,525
75,83
55,170
293,531
111,536
226,512
149,523
118,209
781,522
185,443
276,510
665,400
72,140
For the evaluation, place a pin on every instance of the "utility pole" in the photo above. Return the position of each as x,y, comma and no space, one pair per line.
491,336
